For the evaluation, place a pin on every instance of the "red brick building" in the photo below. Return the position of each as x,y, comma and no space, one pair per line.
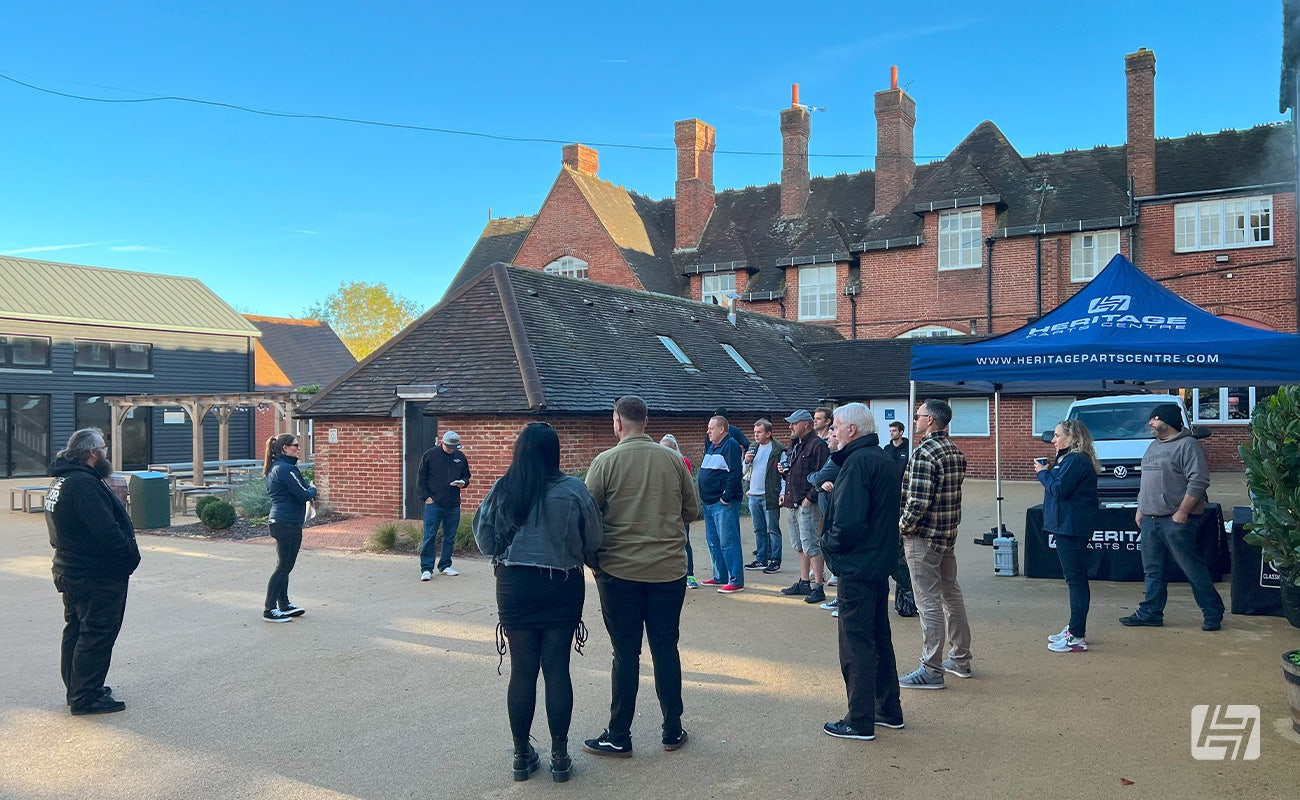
979,242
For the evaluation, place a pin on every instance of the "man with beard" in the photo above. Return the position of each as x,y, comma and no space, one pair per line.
95,553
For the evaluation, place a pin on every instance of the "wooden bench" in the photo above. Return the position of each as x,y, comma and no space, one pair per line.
26,493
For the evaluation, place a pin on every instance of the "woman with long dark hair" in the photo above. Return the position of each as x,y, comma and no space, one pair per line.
539,525
1070,506
289,497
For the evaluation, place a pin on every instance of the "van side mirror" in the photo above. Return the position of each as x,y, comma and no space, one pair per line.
1200,431
1047,436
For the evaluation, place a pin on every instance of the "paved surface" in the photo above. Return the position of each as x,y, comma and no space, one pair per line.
387,688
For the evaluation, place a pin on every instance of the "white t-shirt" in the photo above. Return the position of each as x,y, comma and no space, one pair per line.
758,475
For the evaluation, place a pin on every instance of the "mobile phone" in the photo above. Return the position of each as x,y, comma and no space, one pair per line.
1042,462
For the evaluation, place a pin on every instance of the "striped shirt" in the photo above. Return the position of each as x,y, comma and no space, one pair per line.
932,492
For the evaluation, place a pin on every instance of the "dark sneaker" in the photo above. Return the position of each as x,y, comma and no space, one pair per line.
816,595
607,744
905,603
756,565
772,568
275,615
798,588
1211,625
293,611
103,704
675,741
842,730
1136,620
894,721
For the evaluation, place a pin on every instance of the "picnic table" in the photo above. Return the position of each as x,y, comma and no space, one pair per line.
28,494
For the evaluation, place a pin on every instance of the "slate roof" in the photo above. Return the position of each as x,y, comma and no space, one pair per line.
54,292
862,370
642,229
300,352
499,241
516,340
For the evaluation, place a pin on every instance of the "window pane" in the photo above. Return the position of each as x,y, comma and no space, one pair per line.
1048,411
1208,407
93,355
1238,398
132,357
717,288
28,433
817,292
970,417
29,351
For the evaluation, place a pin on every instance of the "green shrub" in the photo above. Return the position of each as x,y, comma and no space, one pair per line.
1272,459
414,533
217,515
402,536
203,503
308,473
465,536
383,537
252,499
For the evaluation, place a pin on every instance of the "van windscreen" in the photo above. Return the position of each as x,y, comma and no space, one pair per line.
1120,421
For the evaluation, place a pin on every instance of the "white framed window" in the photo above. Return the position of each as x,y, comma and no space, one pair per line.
568,267
739,359
1048,411
1224,404
716,288
1091,252
959,239
678,353
929,332
817,292
970,416
1220,224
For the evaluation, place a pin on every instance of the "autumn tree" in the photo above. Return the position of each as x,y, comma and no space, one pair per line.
364,315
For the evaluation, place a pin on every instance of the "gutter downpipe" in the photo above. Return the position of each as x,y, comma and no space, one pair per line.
989,291
1038,275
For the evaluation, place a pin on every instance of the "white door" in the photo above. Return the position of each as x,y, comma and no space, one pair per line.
887,411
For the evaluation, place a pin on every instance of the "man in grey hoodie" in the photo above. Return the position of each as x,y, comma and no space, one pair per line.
1171,498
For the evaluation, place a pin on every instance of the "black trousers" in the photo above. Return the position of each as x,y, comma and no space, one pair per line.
92,617
867,653
288,541
631,608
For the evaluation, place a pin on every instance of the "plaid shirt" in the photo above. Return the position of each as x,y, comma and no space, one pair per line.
932,492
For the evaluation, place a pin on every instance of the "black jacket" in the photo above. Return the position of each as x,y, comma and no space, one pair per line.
861,537
899,454
438,469
289,492
90,531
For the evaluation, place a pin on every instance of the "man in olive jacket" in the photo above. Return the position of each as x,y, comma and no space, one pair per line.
95,553
861,547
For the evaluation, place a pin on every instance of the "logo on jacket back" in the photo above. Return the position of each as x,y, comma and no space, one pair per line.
1111,311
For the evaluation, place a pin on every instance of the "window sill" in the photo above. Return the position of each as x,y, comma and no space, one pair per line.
1218,247
112,374
28,370
960,268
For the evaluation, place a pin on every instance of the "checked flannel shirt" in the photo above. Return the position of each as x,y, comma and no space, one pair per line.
932,492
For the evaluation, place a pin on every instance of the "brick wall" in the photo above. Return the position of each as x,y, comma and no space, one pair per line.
361,473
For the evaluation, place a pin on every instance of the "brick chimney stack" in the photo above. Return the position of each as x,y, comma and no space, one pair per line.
796,128
580,157
895,162
695,145
1140,70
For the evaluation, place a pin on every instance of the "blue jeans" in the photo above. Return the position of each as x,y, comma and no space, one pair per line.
767,529
1161,535
690,554
722,535
449,519
1073,552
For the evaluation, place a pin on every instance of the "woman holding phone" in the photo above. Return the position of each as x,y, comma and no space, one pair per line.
1070,506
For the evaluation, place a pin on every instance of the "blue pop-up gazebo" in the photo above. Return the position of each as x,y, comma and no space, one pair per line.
1122,331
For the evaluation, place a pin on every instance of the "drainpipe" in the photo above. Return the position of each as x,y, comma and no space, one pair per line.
1038,275
989,323
853,316
781,302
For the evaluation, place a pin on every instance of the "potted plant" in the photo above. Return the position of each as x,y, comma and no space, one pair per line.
1272,460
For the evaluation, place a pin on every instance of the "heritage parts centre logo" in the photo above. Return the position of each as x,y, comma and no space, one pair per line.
1225,733
1112,311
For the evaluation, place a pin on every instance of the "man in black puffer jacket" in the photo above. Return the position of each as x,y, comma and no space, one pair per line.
861,547
95,553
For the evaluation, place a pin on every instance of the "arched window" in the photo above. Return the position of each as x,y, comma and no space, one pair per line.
568,267
929,331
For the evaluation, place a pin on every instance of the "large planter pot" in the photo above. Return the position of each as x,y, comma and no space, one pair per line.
1290,599
1291,671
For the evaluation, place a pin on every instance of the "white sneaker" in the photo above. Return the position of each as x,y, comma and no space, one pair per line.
835,613
450,571
834,581
426,575
1059,637
1070,644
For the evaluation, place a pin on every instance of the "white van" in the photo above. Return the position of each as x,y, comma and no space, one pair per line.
1119,429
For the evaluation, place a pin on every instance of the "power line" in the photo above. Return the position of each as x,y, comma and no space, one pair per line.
398,125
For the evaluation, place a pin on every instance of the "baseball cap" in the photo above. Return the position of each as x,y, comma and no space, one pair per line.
801,415
451,439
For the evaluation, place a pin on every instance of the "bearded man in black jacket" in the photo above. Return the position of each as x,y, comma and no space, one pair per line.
861,547
95,553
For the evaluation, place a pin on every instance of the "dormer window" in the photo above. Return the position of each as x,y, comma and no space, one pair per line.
567,267
718,287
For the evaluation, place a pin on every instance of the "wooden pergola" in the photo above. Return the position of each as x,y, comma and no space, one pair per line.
197,407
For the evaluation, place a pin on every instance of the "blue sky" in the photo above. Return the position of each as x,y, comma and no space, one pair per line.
273,213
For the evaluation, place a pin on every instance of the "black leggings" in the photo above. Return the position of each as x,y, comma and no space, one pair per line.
288,540
547,651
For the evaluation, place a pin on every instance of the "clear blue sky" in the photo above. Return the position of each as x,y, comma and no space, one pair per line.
274,213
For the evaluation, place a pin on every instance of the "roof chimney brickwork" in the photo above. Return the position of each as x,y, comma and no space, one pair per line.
1140,71
796,129
581,158
695,142
895,153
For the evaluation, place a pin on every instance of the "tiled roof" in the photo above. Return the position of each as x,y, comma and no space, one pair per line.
499,241
641,228
303,352
513,340
1197,163
862,370
53,292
